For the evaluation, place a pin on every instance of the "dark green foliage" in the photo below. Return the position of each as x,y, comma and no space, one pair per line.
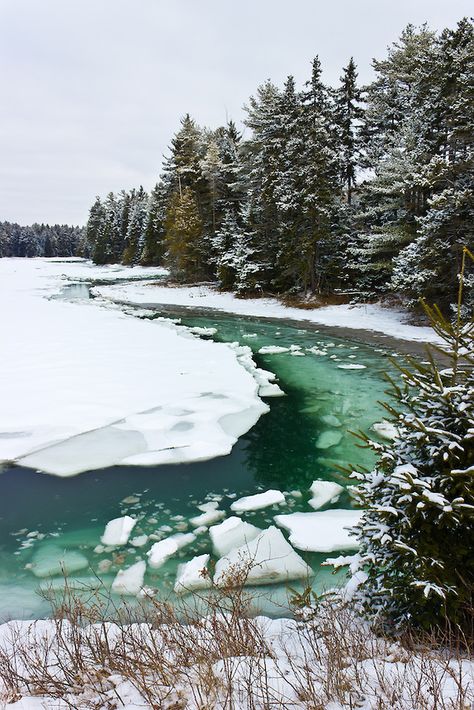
417,536
369,190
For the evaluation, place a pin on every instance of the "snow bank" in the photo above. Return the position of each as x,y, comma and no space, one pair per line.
365,316
85,386
258,501
266,559
325,531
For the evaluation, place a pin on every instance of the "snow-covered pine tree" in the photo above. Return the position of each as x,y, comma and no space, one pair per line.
398,141
422,268
135,238
95,236
183,236
417,534
321,187
348,118
262,154
154,244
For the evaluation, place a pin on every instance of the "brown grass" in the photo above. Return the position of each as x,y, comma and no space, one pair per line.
208,653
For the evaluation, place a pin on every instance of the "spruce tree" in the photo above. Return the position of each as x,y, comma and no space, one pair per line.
95,233
348,117
417,533
154,241
184,233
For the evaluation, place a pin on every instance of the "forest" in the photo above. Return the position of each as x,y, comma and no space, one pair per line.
362,190
39,240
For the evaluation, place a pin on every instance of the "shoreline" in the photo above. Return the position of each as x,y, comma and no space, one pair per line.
362,336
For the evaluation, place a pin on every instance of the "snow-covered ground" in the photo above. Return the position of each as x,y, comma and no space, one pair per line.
332,662
85,386
373,317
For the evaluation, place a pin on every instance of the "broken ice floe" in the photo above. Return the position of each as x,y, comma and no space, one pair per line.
324,531
258,501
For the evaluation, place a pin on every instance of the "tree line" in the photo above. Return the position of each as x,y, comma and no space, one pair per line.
359,189
39,240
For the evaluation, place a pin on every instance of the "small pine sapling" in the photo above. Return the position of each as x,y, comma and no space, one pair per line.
417,534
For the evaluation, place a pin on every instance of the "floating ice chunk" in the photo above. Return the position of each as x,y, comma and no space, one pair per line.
232,533
249,335
193,575
139,541
130,500
295,348
273,350
257,501
117,531
267,559
331,420
352,366
209,505
161,551
198,330
386,430
130,581
328,439
324,492
207,518
316,351
52,561
324,531
164,549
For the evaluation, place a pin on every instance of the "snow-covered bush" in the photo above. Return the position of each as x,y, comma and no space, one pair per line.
417,536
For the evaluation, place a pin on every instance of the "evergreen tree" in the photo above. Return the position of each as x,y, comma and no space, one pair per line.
184,232
348,118
134,241
154,244
95,232
417,533
422,268
320,172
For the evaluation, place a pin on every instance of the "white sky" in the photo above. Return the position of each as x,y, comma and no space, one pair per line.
92,90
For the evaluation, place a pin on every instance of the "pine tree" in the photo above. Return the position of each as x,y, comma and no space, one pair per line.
417,533
320,174
154,244
422,269
184,232
348,117
135,238
95,233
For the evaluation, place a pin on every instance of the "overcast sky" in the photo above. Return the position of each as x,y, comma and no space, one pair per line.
92,90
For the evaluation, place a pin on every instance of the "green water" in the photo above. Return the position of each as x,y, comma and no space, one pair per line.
38,511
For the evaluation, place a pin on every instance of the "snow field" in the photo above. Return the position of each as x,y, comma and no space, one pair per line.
85,386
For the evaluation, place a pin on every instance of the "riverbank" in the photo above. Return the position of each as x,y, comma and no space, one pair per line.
366,323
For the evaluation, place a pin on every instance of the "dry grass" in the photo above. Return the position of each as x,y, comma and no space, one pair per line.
95,655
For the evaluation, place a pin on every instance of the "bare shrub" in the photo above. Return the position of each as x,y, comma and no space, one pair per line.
207,652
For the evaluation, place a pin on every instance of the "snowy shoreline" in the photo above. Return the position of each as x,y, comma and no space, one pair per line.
368,318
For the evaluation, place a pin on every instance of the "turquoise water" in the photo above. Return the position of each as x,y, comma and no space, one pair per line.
41,513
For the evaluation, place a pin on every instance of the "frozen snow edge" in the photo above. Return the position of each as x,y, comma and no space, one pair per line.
86,386
371,317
